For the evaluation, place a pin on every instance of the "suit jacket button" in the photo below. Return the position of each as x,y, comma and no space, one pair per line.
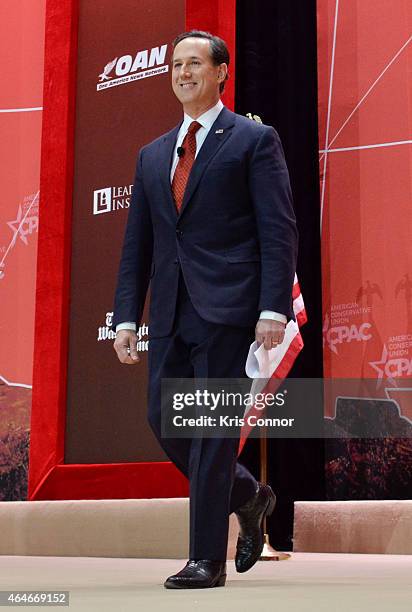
176,261
179,233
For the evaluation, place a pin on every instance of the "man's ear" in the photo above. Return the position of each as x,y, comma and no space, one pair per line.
222,71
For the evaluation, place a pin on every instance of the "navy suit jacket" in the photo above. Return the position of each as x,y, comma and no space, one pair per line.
235,238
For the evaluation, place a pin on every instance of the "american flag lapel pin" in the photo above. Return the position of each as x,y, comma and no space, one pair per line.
219,131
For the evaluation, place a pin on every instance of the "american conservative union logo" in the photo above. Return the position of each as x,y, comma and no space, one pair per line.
127,68
338,327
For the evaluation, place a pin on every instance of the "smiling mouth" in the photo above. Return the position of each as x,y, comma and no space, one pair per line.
187,85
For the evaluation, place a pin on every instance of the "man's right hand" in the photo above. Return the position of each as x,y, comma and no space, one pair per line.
126,339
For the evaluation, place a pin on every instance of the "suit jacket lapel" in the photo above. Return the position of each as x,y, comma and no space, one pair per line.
218,134
165,152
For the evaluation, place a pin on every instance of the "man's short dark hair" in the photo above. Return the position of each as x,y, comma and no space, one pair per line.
218,49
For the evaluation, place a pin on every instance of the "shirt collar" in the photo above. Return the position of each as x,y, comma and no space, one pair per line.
206,120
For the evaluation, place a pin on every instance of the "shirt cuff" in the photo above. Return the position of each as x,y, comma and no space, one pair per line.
274,316
126,325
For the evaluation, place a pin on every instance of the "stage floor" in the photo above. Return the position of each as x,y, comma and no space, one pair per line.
307,581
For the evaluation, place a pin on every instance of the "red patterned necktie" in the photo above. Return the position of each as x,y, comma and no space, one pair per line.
185,164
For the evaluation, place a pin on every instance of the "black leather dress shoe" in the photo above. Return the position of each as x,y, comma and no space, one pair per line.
250,541
200,574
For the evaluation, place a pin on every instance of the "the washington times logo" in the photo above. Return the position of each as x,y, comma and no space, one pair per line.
110,199
105,332
127,68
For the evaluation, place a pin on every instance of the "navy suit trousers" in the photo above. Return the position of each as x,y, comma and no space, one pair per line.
219,484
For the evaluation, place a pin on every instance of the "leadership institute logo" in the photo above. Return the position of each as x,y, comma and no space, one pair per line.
110,199
128,68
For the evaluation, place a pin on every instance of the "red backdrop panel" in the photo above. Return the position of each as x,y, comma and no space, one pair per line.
365,125
21,49
21,100
50,476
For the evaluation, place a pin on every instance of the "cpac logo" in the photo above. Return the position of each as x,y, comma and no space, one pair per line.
110,199
27,220
344,333
128,68
391,368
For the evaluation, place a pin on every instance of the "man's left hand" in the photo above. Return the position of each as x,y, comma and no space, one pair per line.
270,333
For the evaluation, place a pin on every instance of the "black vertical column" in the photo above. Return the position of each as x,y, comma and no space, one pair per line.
276,78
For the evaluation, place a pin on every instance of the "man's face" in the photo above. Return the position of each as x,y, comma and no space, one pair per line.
195,79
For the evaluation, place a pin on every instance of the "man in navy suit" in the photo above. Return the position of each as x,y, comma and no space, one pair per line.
211,227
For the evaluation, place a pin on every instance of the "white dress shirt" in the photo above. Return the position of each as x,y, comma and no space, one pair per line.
206,121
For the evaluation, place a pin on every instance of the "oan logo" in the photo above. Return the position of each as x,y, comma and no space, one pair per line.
127,68
110,199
